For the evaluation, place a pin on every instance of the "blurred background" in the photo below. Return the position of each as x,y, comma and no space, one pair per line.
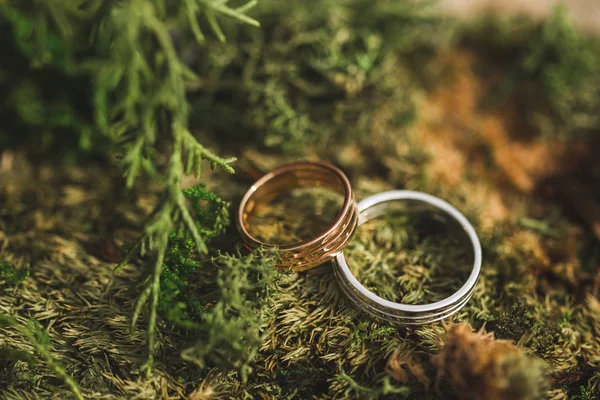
585,13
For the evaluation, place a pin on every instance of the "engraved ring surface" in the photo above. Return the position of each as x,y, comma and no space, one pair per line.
405,314
325,245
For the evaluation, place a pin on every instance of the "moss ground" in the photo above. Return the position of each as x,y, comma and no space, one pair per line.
531,330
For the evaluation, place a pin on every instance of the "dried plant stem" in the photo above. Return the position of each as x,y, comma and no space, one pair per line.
154,291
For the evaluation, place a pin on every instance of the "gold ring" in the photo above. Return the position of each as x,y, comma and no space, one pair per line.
326,245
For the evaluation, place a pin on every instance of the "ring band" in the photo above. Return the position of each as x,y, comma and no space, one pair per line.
327,244
405,314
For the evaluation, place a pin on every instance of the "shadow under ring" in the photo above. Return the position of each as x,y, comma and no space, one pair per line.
405,314
324,246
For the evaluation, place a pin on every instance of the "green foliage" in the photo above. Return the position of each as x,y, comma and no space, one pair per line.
232,329
179,265
124,56
210,211
552,66
39,339
182,261
326,53
364,332
13,275
129,74
384,388
125,60
225,311
560,57
45,100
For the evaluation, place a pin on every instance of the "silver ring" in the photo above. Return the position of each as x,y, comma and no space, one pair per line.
406,314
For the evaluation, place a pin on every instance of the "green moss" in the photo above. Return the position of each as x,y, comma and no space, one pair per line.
516,322
550,68
211,216
328,53
344,81
232,328
384,388
409,256
13,275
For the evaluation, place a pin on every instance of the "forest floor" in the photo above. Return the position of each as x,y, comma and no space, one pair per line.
533,200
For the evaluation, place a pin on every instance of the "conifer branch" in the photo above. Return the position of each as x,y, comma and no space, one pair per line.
154,292
148,83
235,13
139,80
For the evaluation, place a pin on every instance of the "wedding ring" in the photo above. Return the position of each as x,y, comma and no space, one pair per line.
325,245
406,314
